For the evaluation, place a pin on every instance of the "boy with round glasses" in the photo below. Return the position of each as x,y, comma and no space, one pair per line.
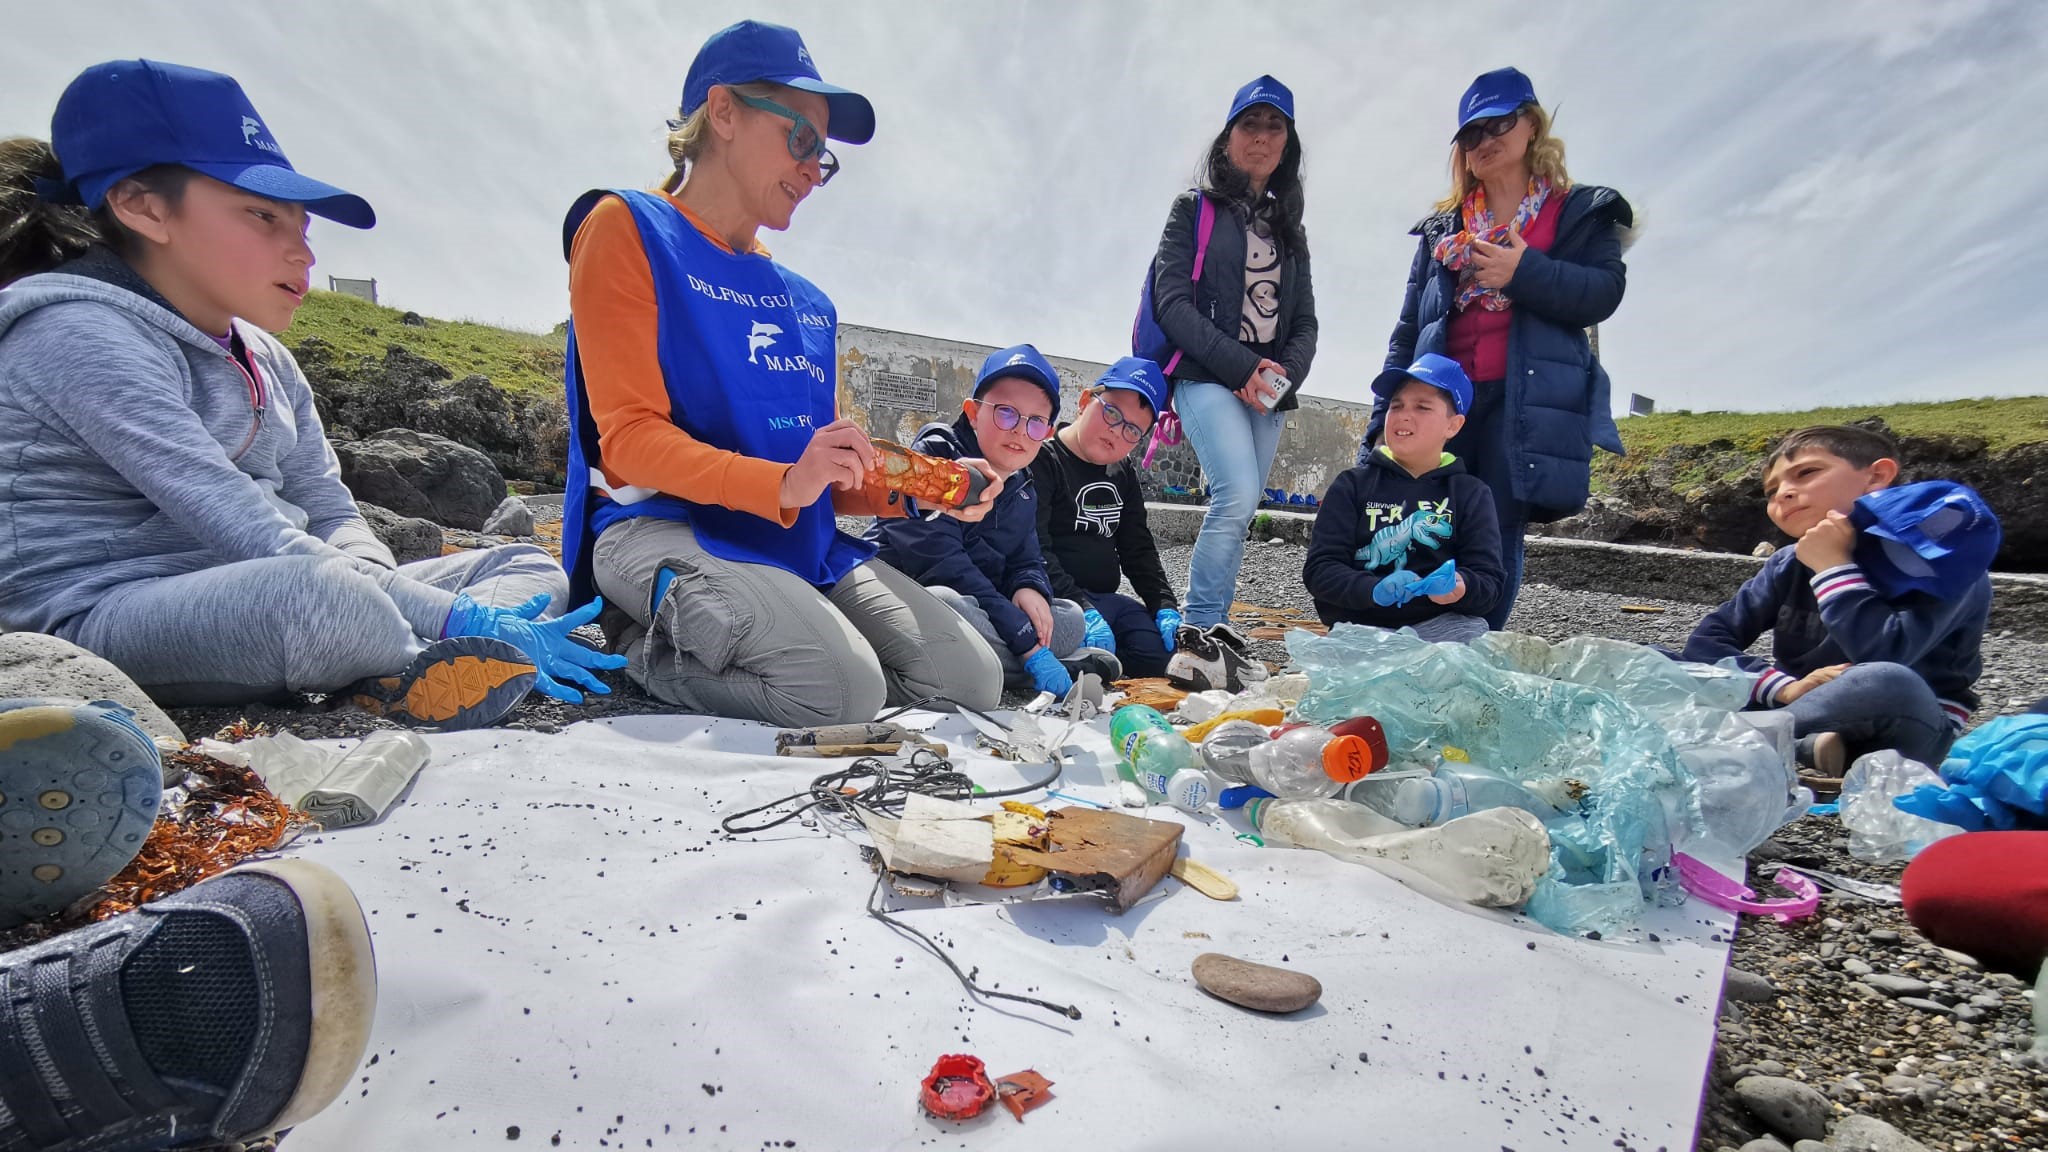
992,572
1091,519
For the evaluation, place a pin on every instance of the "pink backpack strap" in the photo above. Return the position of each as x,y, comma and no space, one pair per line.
1166,429
1204,226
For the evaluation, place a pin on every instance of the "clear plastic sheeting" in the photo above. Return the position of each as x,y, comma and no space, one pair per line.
1877,829
1635,796
1643,676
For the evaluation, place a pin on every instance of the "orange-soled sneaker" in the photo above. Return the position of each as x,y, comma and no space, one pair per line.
453,684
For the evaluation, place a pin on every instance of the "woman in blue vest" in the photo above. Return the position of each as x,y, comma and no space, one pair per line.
1249,321
706,459
1512,268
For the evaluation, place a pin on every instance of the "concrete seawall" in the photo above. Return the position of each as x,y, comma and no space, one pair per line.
2019,603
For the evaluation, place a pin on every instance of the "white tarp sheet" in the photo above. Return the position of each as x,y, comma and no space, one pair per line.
561,949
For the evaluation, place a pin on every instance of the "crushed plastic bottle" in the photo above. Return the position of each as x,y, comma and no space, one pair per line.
1309,763
1877,829
1226,751
1494,859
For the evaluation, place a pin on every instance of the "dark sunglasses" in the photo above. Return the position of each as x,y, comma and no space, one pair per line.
805,141
1125,426
1471,134
1007,418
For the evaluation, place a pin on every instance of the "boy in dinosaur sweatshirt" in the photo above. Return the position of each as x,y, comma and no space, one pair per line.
1408,539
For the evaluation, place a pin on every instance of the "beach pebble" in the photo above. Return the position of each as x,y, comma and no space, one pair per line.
1260,987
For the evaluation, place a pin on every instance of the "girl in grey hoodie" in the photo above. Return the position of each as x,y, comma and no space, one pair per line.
167,496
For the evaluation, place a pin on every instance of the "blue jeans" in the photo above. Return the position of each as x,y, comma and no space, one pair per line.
1236,449
1483,446
1875,706
1139,647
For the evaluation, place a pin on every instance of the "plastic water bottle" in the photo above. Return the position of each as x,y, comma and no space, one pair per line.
1379,790
1227,750
1493,859
1309,763
1454,790
1157,758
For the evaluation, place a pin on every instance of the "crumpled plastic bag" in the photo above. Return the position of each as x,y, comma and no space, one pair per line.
1749,786
1879,830
1639,797
1997,779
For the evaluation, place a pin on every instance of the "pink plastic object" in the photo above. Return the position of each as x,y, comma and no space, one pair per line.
1720,891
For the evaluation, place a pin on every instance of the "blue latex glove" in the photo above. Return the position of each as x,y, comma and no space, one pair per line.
1098,634
1048,674
1393,589
545,642
1400,586
1168,620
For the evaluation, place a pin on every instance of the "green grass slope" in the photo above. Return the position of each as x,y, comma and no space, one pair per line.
524,363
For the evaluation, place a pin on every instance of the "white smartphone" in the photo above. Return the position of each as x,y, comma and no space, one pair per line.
1277,383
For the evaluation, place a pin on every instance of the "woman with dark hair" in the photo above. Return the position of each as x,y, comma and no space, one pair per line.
1245,327
1512,268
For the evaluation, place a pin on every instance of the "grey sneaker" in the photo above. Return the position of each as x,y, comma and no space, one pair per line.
79,789
229,1011
1102,662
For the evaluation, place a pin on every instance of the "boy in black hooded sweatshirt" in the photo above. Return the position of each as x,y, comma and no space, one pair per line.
1408,539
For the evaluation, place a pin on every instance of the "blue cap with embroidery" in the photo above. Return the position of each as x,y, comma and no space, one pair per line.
1022,361
1495,93
1937,537
1137,374
752,50
1439,372
122,117
1264,90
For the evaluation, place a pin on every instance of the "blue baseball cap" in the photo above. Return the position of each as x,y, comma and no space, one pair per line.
1494,93
752,50
1137,374
1937,537
1436,371
121,117
1024,362
1264,90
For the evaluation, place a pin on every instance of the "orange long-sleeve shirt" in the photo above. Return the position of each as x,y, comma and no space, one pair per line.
611,295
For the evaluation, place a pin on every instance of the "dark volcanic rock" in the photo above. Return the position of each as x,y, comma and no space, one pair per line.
420,474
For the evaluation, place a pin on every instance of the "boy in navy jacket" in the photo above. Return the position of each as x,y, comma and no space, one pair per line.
1858,672
991,572
1408,538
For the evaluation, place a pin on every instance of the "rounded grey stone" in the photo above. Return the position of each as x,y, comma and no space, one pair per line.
1925,1005
1855,967
1897,986
1786,1107
32,665
1750,988
1858,1133
1764,1144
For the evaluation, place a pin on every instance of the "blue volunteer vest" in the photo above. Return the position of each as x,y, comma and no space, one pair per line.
749,355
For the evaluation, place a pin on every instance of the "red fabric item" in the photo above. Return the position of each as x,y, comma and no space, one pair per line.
1984,894
1478,339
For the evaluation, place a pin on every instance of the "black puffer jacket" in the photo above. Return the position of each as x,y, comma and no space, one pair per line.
1202,320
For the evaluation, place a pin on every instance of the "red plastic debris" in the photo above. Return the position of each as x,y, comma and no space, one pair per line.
957,1088
1020,1092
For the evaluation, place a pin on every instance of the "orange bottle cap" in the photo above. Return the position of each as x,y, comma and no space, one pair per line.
1347,759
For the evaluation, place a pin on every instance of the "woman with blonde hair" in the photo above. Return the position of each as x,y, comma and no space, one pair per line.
1513,266
706,454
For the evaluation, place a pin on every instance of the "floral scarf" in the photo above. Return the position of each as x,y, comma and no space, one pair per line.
1455,251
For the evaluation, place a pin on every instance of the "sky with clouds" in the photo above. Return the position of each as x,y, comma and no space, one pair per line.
1841,202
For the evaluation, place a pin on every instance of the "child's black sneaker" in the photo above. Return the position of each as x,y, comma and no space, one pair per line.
228,1011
